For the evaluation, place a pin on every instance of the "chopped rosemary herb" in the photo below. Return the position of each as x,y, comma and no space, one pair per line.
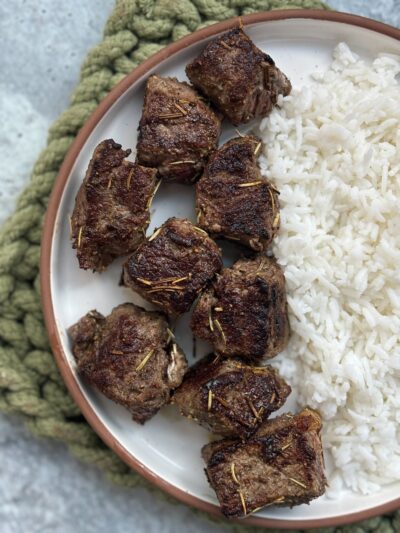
170,336
155,234
257,149
272,200
199,230
254,410
243,502
221,401
182,162
153,194
144,361
218,324
278,500
298,482
167,288
144,281
210,321
260,266
259,368
225,45
276,220
180,108
235,479
129,178
210,400
250,183
178,280
216,358
171,115
80,236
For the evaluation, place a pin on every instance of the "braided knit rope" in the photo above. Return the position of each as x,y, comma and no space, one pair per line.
30,384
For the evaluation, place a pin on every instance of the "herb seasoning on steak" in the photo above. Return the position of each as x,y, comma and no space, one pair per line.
234,200
129,356
281,464
238,78
111,212
171,267
244,313
229,397
177,130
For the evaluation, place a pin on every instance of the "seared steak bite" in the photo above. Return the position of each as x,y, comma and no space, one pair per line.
238,78
234,200
229,397
171,267
281,464
111,210
177,130
129,357
244,313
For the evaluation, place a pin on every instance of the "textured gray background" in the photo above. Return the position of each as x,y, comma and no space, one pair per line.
43,489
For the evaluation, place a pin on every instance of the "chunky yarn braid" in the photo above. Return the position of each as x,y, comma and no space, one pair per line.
30,384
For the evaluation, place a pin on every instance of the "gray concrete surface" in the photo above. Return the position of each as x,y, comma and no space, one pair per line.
43,489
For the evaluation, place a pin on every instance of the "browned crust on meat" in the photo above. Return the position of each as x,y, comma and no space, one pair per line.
111,210
240,80
282,464
171,267
247,307
129,357
177,130
234,200
229,397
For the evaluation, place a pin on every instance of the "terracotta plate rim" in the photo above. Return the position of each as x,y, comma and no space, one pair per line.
47,242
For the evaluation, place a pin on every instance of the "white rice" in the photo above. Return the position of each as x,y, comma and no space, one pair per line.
333,149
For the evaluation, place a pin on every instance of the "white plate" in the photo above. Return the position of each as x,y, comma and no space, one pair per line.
167,448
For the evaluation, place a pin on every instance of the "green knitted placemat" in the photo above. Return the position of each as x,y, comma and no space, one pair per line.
30,384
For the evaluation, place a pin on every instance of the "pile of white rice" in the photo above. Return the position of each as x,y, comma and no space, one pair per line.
333,149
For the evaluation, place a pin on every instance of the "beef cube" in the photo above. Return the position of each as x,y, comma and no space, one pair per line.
244,313
171,267
238,78
282,464
234,200
111,210
129,357
229,397
177,130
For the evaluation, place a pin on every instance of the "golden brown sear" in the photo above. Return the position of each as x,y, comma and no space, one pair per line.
234,200
177,130
173,265
239,79
129,357
229,397
111,210
244,313
282,464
